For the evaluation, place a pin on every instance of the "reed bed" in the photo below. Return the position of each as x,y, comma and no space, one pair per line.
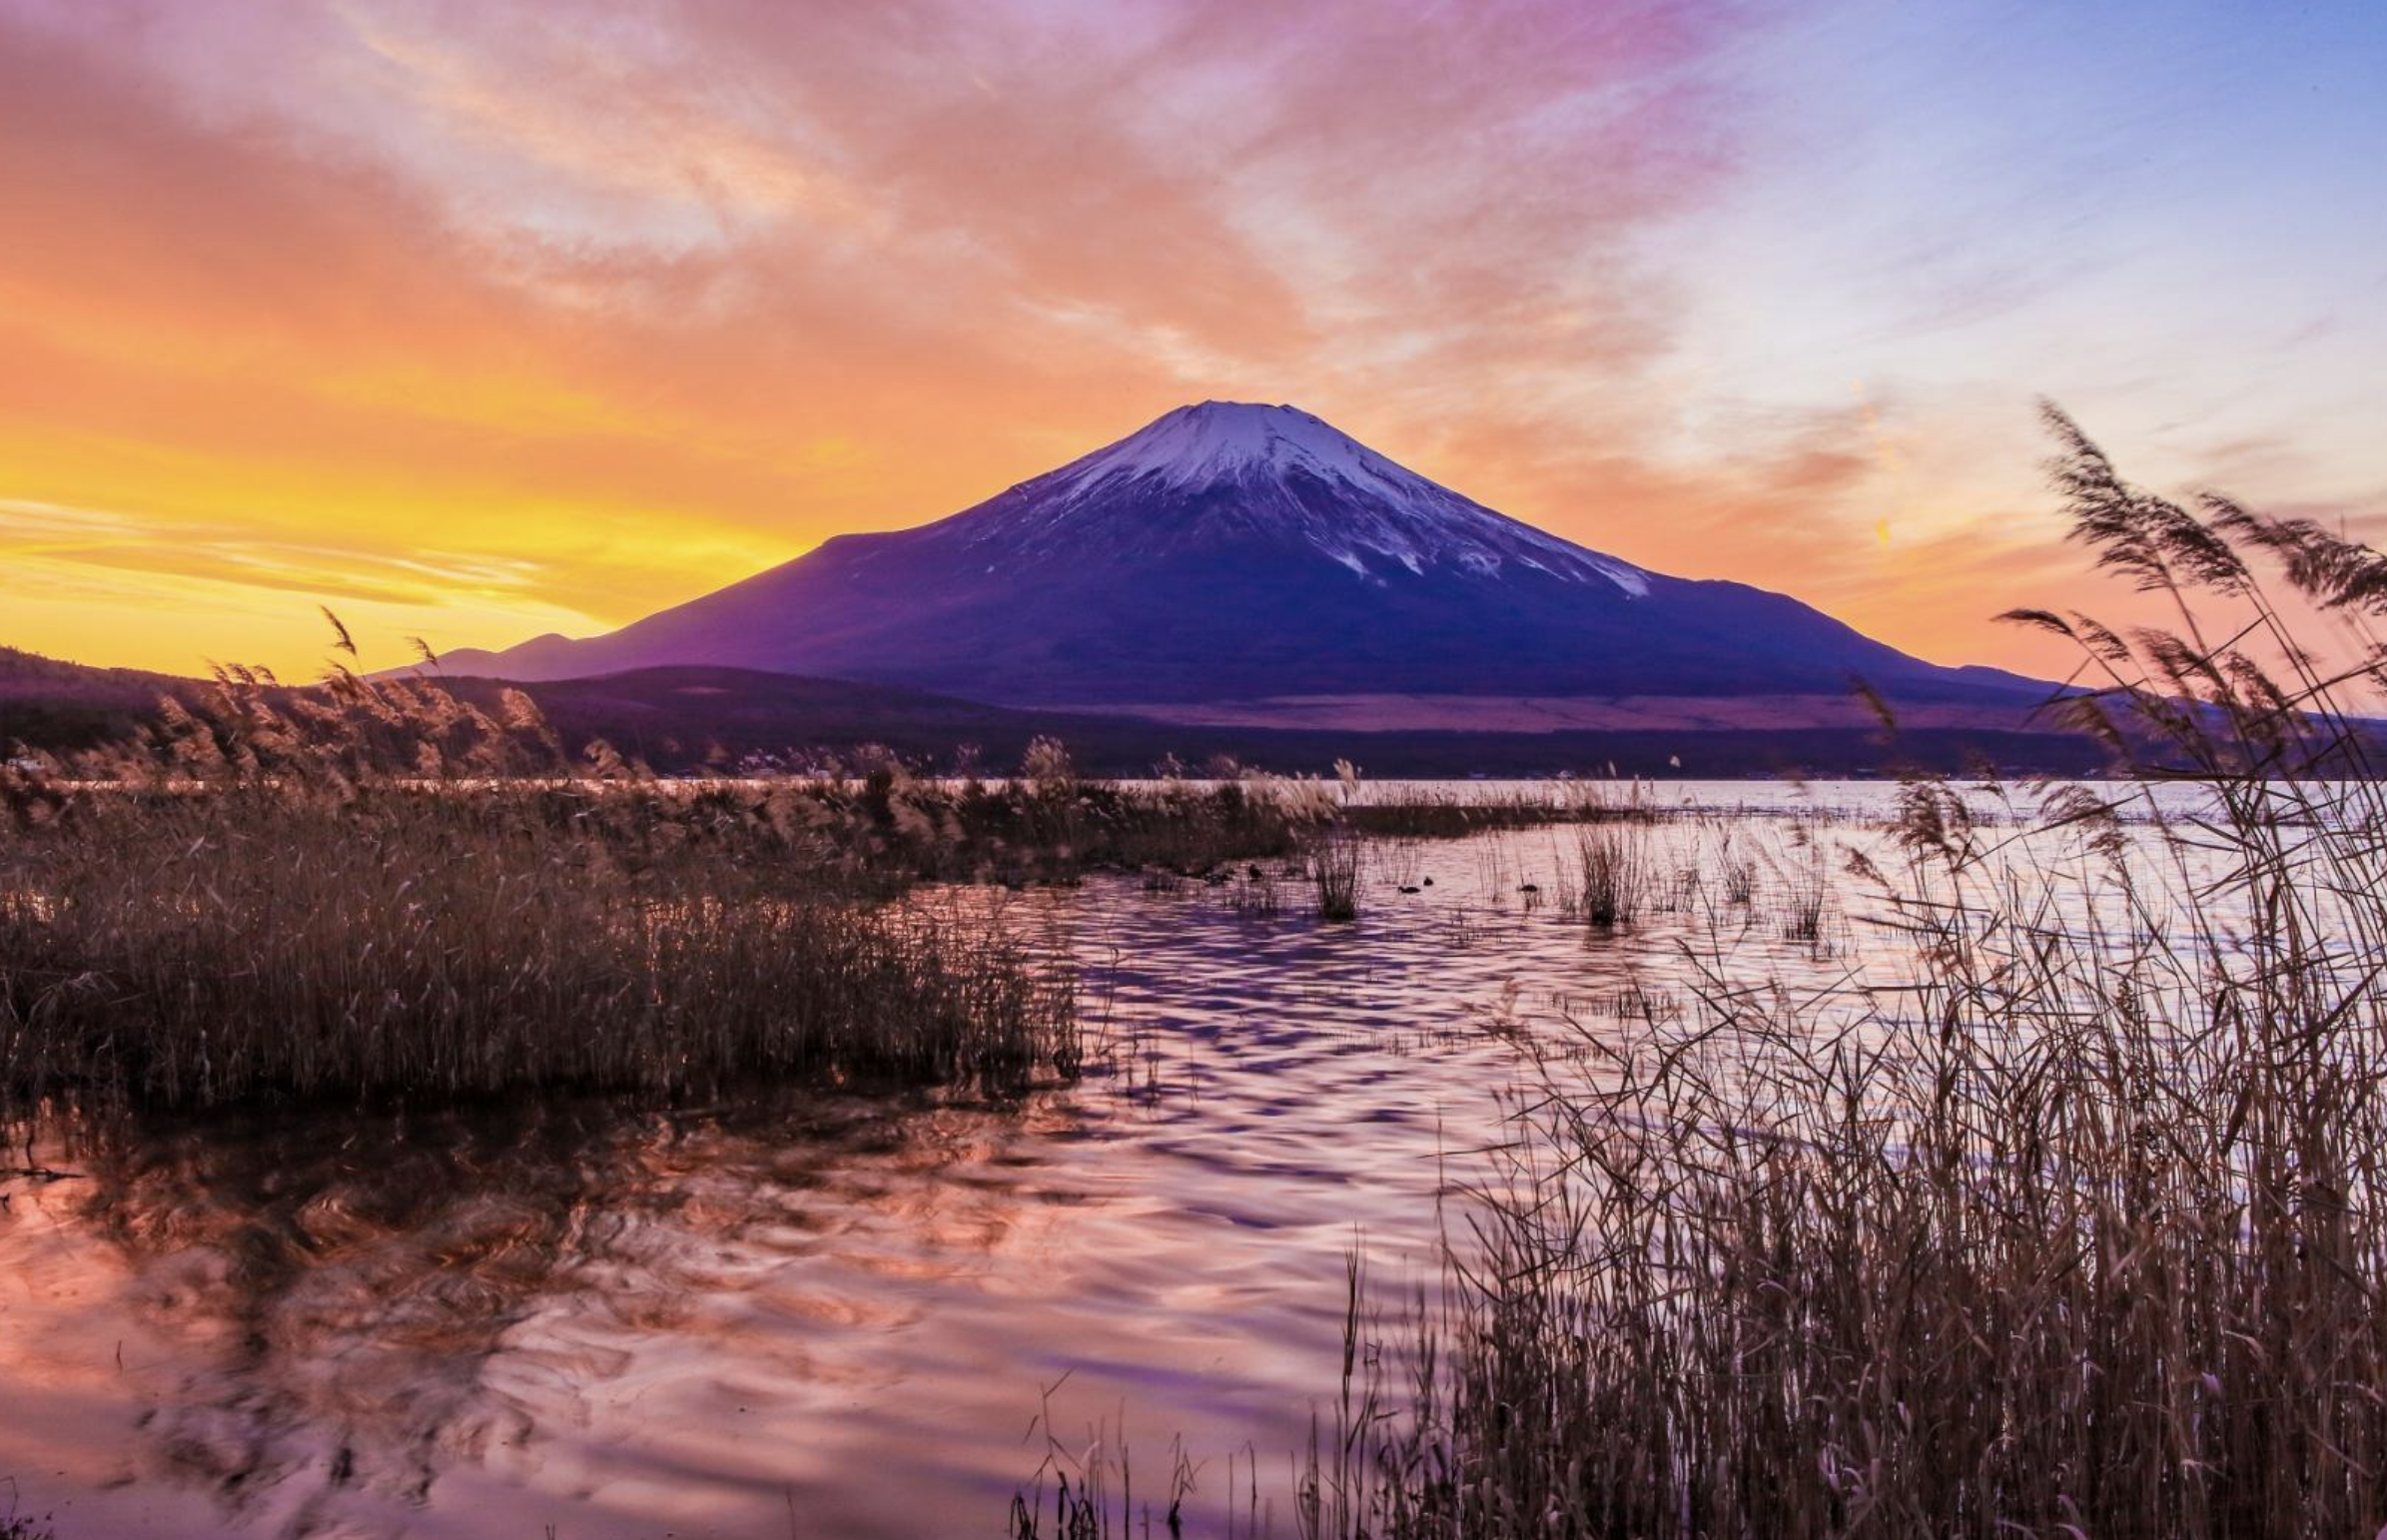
206,949
1436,812
2077,1228
376,887
261,905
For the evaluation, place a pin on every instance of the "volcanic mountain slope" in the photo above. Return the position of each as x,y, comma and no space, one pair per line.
1230,552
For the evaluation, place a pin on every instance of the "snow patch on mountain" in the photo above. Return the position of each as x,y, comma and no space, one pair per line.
1194,446
1289,474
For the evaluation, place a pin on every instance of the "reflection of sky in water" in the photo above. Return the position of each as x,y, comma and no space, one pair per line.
483,1323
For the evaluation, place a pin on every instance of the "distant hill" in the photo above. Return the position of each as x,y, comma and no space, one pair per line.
680,718
686,719
64,706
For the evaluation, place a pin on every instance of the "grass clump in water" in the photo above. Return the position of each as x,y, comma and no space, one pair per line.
1335,864
1613,872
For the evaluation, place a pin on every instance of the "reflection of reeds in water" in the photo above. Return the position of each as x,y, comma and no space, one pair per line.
2081,1229
352,1298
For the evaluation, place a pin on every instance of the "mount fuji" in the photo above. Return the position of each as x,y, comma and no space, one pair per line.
1232,562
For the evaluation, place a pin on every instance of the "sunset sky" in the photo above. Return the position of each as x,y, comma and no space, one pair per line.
477,318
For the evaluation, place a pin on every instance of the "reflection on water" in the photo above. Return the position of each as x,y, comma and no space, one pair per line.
311,1325
835,1313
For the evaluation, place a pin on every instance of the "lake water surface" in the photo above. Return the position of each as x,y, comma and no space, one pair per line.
840,1315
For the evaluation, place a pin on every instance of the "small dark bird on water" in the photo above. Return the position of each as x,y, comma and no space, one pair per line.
1530,886
1407,888
1429,882
1252,872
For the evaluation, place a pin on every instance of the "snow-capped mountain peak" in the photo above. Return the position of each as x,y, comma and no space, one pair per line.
1214,440
1243,468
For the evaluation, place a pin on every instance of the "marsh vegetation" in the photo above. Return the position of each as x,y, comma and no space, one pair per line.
381,889
262,907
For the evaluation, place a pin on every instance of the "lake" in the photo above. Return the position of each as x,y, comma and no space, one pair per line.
869,1315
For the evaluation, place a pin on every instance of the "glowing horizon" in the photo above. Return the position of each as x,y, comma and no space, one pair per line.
473,326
